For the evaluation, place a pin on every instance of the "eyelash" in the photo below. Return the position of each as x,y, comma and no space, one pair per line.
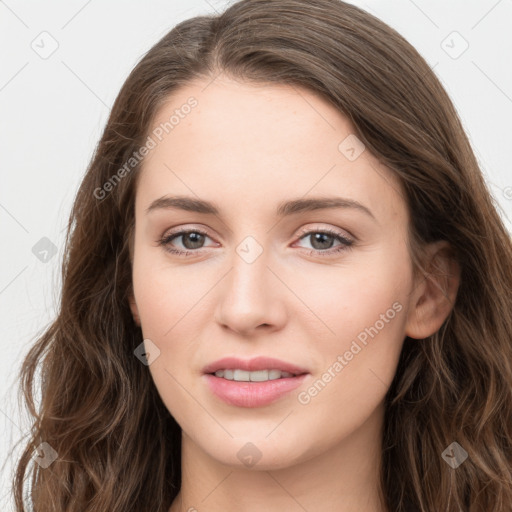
346,243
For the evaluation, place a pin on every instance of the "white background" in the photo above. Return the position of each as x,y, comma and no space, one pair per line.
53,111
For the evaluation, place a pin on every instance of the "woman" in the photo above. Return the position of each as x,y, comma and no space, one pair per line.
204,358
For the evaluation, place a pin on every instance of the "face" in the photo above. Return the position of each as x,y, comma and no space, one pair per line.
327,290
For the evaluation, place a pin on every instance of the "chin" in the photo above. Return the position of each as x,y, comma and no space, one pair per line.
258,453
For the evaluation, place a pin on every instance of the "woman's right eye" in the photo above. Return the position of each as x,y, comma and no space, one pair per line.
198,238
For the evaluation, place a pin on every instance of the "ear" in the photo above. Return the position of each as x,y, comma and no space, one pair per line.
435,292
134,309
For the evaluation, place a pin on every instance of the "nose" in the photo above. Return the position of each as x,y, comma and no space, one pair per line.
251,297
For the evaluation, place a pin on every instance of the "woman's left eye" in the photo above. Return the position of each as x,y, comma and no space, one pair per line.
194,238
324,237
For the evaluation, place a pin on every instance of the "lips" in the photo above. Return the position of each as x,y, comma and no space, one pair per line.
253,394
252,365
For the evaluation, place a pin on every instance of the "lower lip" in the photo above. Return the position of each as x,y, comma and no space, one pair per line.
252,394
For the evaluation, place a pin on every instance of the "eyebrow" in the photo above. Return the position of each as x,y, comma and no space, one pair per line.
285,208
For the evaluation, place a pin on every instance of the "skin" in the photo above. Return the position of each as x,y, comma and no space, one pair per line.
247,148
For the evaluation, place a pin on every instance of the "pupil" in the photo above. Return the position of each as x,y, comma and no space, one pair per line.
197,239
317,237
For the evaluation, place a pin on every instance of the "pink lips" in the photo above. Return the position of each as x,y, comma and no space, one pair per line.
252,394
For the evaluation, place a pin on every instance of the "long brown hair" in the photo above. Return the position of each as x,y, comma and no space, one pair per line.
118,446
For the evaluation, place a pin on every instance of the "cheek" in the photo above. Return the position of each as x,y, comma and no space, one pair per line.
368,317
165,299
169,301
353,299
166,295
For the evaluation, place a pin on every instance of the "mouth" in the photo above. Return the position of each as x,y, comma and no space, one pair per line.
252,383
257,366
240,375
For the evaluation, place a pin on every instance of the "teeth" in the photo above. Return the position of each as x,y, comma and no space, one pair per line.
257,376
241,375
228,374
275,374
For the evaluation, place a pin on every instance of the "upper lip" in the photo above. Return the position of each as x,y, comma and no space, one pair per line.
254,364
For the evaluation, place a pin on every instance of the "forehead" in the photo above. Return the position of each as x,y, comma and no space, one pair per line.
253,144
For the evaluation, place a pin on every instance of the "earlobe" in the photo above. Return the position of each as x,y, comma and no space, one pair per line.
434,295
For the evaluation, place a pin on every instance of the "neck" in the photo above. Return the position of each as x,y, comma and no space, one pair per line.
344,478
